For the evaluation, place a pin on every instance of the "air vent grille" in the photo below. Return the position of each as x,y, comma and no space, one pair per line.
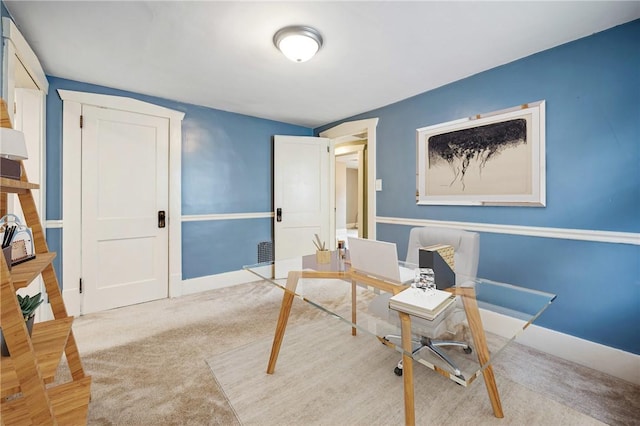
265,251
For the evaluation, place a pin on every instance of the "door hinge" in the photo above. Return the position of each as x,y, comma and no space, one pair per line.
81,121
80,285
327,149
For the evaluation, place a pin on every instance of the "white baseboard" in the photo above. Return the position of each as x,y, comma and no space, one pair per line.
612,361
213,282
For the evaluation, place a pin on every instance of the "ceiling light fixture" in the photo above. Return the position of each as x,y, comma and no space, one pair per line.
298,43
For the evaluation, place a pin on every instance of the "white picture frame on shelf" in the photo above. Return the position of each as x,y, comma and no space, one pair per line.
496,158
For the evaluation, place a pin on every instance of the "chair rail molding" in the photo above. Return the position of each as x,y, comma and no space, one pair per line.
226,216
530,231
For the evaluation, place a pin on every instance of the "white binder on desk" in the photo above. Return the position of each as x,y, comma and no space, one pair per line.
427,304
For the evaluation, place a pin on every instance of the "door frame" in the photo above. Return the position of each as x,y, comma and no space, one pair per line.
350,128
72,178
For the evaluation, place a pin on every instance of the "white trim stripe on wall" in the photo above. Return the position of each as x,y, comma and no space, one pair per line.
226,216
530,231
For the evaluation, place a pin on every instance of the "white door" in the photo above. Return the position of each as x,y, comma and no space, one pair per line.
303,193
124,187
28,119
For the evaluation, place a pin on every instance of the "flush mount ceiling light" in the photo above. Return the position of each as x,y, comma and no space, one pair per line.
298,43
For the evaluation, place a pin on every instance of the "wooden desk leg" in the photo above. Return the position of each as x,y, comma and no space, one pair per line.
285,310
480,341
407,370
353,307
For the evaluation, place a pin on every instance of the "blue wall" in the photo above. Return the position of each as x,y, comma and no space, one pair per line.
226,168
592,92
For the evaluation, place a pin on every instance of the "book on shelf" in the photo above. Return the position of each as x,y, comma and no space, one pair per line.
426,304
440,258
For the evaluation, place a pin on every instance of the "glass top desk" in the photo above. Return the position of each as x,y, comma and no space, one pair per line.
488,316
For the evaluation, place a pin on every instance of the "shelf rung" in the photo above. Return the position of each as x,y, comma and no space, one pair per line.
69,401
23,273
49,339
15,186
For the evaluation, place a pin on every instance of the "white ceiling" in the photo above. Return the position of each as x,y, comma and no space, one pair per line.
221,55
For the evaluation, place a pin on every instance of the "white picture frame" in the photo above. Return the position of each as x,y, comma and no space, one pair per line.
496,158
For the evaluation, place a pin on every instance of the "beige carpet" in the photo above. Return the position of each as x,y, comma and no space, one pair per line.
326,376
149,365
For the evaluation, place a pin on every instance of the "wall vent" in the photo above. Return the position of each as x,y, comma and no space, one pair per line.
265,251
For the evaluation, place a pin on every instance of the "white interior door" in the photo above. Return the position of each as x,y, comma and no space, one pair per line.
28,119
124,186
303,192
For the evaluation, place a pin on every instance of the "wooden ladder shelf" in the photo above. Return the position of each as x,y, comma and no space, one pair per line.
28,395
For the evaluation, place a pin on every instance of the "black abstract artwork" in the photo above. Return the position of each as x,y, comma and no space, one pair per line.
480,144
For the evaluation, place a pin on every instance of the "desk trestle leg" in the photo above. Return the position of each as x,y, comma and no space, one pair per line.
407,362
480,341
285,310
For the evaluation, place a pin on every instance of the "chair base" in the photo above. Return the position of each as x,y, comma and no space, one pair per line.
434,346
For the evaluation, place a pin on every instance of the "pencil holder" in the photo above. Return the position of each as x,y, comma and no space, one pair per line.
323,256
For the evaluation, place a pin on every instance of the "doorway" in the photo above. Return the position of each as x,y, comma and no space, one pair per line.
350,189
358,137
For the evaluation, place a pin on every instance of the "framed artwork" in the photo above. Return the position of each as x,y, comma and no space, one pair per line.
496,158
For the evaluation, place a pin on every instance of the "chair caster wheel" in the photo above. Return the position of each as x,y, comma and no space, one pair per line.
468,350
398,371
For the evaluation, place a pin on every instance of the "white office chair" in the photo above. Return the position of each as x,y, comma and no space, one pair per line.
467,252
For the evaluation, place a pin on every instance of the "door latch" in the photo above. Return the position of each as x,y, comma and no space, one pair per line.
278,215
161,219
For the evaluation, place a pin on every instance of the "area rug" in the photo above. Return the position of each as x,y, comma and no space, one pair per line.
325,376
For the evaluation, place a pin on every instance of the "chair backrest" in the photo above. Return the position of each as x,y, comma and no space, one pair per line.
466,245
